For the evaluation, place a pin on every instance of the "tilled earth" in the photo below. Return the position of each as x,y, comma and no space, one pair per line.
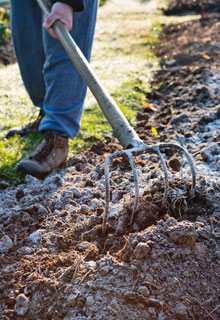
198,6
55,262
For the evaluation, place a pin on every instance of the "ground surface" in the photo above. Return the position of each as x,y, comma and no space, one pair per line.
55,263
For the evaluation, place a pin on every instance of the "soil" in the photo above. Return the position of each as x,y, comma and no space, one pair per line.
55,261
183,6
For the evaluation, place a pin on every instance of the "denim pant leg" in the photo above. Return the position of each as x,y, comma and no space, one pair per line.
26,22
65,89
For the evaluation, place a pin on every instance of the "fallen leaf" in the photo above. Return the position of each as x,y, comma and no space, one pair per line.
205,56
154,131
150,106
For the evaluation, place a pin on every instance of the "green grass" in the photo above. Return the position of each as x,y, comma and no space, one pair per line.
94,127
16,109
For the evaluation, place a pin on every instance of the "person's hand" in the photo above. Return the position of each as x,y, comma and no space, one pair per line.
62,12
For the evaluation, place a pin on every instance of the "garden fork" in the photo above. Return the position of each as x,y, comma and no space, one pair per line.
126,135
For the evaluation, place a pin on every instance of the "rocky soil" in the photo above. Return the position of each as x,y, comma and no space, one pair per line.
55,262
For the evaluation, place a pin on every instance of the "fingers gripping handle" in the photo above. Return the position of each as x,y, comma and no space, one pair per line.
120,125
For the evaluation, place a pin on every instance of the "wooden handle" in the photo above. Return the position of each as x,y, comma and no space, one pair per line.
126,135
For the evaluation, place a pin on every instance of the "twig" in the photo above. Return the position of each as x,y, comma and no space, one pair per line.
63,274
86,275
215,309
76,268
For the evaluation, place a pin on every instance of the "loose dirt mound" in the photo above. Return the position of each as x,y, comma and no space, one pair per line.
196,6
55,263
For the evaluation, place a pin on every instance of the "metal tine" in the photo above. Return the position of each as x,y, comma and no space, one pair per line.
107,194
107,186
136,199
166,180
188,157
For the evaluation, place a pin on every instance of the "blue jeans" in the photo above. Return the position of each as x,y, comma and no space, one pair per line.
49,76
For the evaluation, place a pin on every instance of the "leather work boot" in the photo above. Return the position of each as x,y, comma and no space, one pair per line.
31,127
51,154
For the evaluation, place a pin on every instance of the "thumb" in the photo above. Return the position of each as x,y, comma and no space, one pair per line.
50,19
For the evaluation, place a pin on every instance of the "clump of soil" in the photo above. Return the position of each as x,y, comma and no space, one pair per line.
55,261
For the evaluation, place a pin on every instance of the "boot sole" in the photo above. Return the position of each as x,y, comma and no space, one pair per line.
38,175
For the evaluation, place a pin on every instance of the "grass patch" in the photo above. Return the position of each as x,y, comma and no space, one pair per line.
12,150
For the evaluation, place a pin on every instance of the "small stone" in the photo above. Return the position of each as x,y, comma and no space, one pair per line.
154,302
5,244
26,219
148,277
22,305
36,236
42,210
90,301
24,251
104,270
72,300
84,209
144,290
76,193
58,204
141,250
181,311
95,203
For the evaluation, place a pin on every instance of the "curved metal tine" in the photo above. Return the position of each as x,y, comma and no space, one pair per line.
190,160
166,180
193,170
107,187
107,194
134,170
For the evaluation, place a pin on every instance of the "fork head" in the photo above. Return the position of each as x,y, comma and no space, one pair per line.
130,153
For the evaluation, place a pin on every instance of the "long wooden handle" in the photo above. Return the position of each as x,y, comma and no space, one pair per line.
120,125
